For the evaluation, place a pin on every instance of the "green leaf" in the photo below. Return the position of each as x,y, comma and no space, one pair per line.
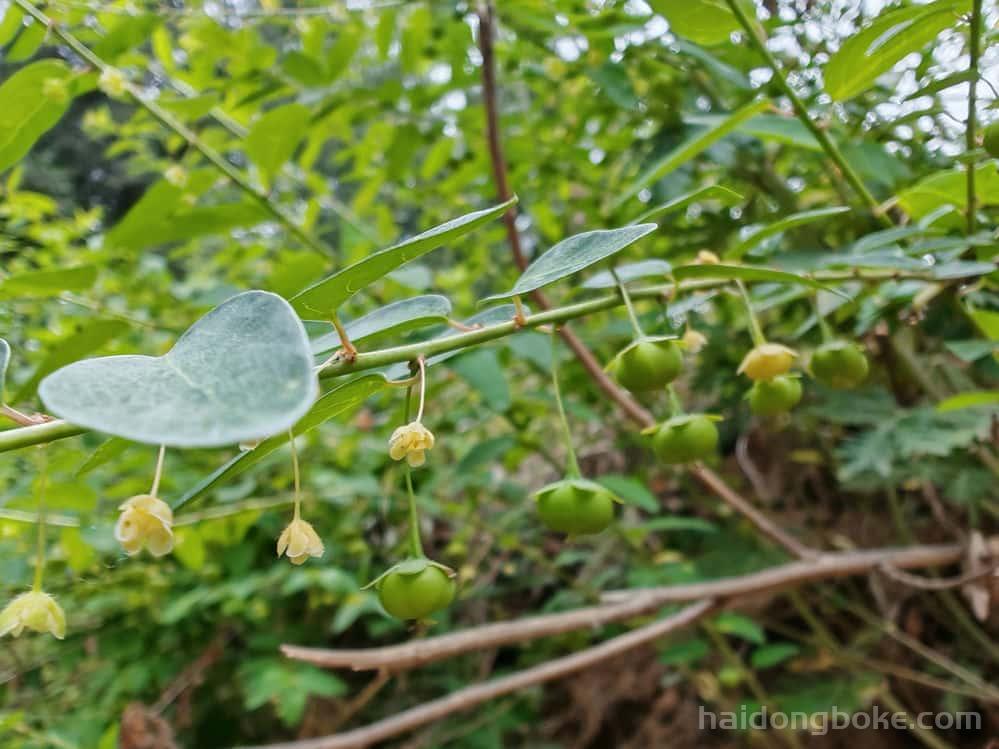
757,235
690,149
572,255
970,351
768,656
878,47
286,685
398,317
12,21
4,363
731,623
27,43
949,187
987,321
79,343
631,490
109,450
712,192
628,272
46,283
27,112
675,523
337,401
326,296
274,137
745,273
684,653
706,22
242,372
482,370
969,400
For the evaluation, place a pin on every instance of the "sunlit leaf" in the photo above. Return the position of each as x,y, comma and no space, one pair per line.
969,400
275,135
703,21
30,107
242,372
46,283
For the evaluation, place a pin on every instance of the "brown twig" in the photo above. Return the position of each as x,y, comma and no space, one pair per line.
922,583
621,605
469,697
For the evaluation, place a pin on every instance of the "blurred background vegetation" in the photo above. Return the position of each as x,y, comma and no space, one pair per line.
364,121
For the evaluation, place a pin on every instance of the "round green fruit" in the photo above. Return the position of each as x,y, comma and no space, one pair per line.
776,396
991,140
575,508
416,595
839,364
647,365
683,439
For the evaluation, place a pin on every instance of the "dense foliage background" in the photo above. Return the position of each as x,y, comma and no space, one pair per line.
362,123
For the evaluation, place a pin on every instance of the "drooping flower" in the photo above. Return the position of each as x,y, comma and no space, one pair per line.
35,610
694,340
411,442
766,361
145,521
300,541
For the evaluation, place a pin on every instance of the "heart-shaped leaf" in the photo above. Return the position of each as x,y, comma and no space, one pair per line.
242,372
573,254
337,401
4,361
628,272
326,296
393,318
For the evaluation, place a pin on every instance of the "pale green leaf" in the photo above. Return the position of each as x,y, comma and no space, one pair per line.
398,317
108,450
4,363
879,46
706,22
731,623
757,235
27,112
949,187
47,283
691,148
274,137
969,400
628,272
744,273
573,255
987,322
712,192
242,372
326,296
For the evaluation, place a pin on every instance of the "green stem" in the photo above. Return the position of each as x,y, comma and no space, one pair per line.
40,541
295,474
172,123
675,406
970,135
572,469
831,149
415,545
154,491
626,298
754,324
14,439
824,329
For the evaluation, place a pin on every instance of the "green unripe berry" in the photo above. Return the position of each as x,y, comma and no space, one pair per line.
647,365
991,140
416,595
776,396
839,364
575,508
683,439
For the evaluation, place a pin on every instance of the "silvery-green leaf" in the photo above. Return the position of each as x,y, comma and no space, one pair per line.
326,296
628,272
4,361
337,401
242,372
573,254
397,317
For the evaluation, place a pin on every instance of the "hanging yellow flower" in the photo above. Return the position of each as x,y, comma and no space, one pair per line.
35,610
411,442
300,541
766,361
145,521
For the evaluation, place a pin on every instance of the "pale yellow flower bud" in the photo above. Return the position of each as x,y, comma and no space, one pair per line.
146,521
113,83
694,340
766,361
411,442
176,175
300,541
707,257
35,610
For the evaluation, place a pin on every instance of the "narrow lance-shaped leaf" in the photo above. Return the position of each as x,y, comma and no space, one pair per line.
877,48
691,148
712,192
757,235
336,402
326,296
34,99
745,273
397,317
628,272
572,255
976,398
242,372
45,283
